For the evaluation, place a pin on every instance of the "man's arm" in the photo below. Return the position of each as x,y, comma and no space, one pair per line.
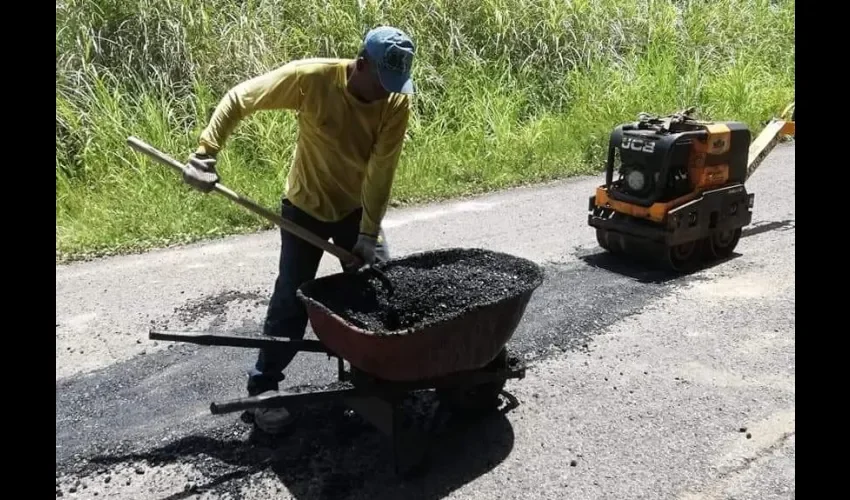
277,89
380,172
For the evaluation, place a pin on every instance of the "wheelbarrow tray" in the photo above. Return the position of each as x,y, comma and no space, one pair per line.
465,341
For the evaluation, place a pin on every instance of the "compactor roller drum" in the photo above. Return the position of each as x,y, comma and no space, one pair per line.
674,190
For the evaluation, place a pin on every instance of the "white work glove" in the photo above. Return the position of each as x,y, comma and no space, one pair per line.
200,172
365,248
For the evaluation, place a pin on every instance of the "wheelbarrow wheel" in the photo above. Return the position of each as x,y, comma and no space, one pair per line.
480,398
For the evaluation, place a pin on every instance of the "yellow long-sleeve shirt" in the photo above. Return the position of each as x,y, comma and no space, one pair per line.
347,151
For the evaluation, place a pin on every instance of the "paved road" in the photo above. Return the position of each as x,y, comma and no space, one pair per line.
639,384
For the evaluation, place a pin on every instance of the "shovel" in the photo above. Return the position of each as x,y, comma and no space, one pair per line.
349,259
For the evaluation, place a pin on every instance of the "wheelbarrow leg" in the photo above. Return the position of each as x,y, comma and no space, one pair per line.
409,444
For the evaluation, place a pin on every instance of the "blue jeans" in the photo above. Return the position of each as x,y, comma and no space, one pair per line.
299,262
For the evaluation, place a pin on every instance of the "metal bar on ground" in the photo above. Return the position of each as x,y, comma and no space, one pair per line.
369,385
276,400
248,341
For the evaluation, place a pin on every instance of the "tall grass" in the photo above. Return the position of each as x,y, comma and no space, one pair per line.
510,92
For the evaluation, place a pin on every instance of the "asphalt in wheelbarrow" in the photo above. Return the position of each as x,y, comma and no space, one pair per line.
430,288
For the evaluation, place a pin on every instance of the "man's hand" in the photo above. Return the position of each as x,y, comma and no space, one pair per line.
200,172
365,248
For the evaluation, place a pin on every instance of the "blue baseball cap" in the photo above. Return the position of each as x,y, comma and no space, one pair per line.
391,50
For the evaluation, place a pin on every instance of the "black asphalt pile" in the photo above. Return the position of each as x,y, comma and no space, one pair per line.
430,288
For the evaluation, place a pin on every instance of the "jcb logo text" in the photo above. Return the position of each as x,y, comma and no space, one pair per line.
638,145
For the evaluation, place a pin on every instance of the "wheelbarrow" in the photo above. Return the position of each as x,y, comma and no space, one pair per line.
463,359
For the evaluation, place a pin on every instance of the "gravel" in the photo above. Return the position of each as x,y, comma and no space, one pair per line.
430,288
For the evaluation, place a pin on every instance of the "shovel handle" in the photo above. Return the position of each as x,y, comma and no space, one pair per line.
284,224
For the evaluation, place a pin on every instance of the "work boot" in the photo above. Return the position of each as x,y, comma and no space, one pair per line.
271,420
268,420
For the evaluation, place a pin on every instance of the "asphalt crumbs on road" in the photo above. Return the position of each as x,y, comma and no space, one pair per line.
166,395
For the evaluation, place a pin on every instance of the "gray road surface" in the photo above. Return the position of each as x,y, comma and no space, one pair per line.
639,385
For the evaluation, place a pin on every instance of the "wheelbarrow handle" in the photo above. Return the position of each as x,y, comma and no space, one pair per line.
336,251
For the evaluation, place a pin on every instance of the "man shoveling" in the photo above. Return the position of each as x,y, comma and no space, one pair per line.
352,119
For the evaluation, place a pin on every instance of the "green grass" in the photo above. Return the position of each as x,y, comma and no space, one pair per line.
510,92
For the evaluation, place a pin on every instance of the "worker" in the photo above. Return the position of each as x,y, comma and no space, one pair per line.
352,116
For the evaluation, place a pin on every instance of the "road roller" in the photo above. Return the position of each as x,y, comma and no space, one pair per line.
674,192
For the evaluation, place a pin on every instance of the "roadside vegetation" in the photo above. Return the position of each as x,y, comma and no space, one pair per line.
510,92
